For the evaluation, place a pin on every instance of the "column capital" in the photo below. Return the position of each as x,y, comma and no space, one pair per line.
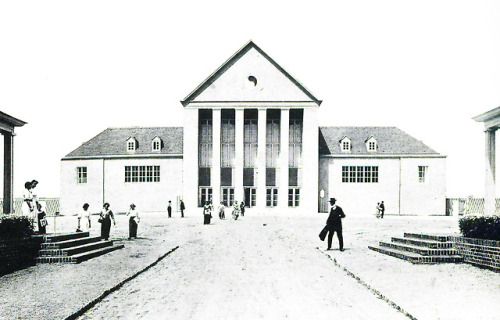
491,130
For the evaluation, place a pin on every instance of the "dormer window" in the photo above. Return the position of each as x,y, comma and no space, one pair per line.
131,144
156,144
345,144
371,144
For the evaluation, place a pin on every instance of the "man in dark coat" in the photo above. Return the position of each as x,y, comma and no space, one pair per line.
169,209
382,209
334,224
183,207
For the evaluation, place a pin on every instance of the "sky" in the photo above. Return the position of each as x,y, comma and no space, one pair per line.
74,68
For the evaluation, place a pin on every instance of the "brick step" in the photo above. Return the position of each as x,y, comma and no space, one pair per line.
76,249
424,236
65,236
80,257
69,243
423,243
424,251
415,257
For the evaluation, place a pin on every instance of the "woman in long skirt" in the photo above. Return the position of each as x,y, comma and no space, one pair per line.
132,222
207,213
42,219
105,218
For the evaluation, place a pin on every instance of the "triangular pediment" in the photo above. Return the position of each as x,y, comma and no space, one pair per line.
250,75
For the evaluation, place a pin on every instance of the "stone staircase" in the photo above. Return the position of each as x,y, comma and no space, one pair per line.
73,248
420,248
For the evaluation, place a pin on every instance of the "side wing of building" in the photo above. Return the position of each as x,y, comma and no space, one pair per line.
361,166
123,166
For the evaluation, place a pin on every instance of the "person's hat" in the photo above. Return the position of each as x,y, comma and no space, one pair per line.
132,205
332,200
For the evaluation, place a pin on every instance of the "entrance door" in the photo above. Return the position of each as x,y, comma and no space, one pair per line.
250,197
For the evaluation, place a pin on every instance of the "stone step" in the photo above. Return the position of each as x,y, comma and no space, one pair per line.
424,236
424,251
69,243
424,243
80,257
65,236
75,250
415,257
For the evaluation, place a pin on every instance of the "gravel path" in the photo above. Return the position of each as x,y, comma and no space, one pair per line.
243,270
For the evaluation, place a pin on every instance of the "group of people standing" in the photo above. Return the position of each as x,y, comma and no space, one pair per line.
33,209
106,216
208,208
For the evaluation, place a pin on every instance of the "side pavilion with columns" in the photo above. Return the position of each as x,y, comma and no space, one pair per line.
491,120
7,125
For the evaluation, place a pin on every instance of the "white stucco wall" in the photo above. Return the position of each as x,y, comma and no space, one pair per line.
361,198
423,198
73,194
148,196
412,198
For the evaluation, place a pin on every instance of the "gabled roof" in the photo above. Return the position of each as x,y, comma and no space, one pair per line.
229,63
112,142
390,141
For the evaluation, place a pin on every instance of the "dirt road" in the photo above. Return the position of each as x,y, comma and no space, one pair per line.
246,269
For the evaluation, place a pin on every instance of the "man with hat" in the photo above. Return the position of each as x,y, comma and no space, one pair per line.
334,224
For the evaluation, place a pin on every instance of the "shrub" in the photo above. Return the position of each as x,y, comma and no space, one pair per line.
15,227
480,227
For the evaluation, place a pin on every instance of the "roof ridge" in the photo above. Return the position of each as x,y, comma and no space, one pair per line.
231,61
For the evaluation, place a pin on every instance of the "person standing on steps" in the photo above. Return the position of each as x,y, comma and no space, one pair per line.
334,224
169,209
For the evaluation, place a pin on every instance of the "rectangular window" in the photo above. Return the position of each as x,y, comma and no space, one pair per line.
227,139
295,139
142,173
272,197
250,139
228,196
205,133
293,197
204,195
360,174
81,174
422,171
273,139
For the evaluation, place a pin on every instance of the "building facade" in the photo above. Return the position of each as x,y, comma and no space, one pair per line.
251,132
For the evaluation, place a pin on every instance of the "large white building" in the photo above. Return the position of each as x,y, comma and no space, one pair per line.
251,133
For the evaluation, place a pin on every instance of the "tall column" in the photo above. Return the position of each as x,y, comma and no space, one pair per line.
310,161
261,159
238,161
8,172
489,204
215,172
283,161
190,160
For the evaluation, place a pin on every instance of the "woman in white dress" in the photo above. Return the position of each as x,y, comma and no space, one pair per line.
84,219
